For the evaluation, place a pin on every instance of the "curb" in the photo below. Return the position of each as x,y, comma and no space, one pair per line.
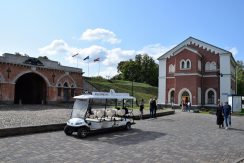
5,132
146,116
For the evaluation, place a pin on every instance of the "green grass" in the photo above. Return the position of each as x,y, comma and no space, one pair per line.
140,90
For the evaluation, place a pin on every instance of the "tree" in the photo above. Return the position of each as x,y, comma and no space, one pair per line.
143,69
43,57
240,77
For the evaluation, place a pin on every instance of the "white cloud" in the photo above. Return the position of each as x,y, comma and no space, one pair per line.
100,34
108,72
234,51
109,58
155,50
114,56
56,47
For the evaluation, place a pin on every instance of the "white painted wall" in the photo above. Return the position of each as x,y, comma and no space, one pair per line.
162,81
225,80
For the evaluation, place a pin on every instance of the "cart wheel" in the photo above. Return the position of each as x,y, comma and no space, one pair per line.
68,130
82,132
128,126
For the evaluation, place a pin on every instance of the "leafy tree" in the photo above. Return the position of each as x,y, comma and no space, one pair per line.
240,77
143,69
42,57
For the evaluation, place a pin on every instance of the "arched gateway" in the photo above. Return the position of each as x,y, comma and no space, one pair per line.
30,88
28,80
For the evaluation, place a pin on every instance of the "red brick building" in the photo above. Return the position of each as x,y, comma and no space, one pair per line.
198,72
30,80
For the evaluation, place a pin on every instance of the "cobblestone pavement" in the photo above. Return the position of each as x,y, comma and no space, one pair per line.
182,137
35,115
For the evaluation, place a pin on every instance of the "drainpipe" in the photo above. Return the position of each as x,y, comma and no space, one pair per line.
202,95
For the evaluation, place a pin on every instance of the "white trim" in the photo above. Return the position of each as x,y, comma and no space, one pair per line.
189,65
195,41
187,48
170,77
182,67
180,95
206,96
171,69
188,74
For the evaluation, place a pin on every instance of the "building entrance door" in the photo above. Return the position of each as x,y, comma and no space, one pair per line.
185,97
30,88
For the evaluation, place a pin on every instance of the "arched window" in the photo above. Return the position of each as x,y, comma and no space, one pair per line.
182,64
185,97
172,96
211,97
188,63
171,68
199,65
213,66
207,66
66,85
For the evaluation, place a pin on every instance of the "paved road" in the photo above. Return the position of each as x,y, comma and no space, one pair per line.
182,137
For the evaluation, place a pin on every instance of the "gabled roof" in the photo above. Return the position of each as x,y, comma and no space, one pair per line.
195,41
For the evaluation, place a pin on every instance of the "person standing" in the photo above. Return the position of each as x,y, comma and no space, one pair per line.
141,105
182,105
227,114
219,114
155,107
188,106
151,107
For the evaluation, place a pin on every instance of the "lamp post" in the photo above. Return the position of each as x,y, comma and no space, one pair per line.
132,83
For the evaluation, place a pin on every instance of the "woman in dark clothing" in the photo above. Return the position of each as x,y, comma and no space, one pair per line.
220,117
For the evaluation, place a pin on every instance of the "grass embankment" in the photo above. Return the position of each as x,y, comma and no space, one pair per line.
140,90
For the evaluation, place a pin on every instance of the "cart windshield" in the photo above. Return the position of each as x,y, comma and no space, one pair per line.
80,108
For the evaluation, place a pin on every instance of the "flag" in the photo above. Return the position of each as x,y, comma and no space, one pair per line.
97,59
86,58
75,55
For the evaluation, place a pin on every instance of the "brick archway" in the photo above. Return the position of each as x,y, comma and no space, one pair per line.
30,88
181,93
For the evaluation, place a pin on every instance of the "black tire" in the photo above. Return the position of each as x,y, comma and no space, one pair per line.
82,132
128,126
68,130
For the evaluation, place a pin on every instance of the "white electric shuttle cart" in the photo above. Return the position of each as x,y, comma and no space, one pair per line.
98,111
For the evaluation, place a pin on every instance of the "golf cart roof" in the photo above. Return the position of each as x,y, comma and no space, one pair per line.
105,95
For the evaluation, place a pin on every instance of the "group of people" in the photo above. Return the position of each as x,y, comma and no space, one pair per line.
152,105
223,114
186,106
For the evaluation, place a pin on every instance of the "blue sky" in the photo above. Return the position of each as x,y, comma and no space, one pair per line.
116,30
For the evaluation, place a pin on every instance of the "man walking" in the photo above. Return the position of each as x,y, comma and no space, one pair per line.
227,115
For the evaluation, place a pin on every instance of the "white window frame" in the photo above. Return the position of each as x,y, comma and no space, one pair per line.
206,96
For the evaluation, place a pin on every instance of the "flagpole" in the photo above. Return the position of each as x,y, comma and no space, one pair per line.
76,57
88,68
99,68
77,62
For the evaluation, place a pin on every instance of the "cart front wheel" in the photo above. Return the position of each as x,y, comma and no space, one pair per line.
82,132
68,130
128,126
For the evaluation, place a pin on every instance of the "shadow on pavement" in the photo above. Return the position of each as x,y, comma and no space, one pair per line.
124,138
236,129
